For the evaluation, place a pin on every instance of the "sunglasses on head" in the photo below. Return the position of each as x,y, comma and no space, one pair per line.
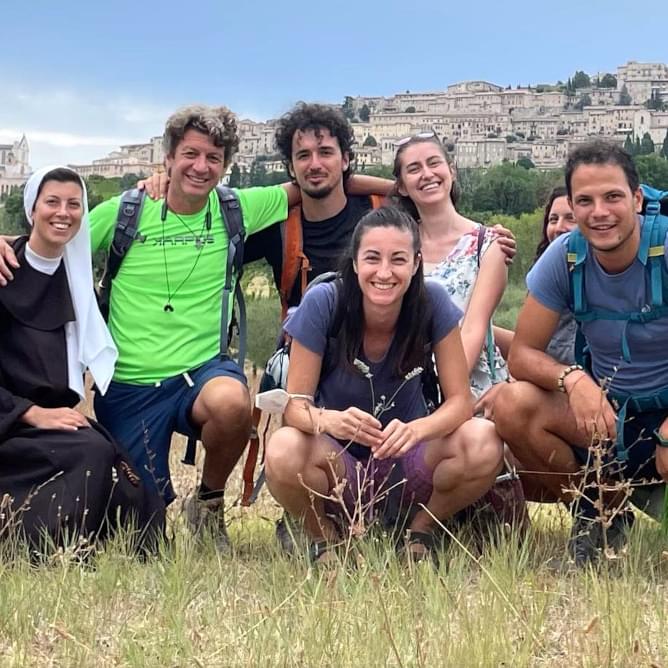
427,134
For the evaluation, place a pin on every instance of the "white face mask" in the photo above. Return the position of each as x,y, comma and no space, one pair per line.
276,401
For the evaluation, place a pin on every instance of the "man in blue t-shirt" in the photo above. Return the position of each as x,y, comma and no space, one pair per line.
553,418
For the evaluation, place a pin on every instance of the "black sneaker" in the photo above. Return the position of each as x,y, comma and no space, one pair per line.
584,544
617,533
288,534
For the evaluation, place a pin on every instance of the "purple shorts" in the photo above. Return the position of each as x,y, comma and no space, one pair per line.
386,489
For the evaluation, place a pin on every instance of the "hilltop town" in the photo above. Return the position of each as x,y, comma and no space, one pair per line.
482,123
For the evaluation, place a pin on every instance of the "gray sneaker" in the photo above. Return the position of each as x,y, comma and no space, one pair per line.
585,542
618,532
208,518
289,534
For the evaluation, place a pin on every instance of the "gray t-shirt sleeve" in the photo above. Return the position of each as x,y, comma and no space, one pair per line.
548,279
445,315
309,324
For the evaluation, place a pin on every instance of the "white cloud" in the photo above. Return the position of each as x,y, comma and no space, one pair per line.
68,126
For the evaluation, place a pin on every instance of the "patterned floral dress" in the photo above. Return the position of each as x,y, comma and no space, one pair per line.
457,273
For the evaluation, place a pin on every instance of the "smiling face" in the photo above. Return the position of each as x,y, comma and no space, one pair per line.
317,164
385,264
605,208
56,217
560,219
195,169
425,175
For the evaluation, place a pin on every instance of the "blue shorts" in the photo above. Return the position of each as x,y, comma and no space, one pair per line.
640,442
143,418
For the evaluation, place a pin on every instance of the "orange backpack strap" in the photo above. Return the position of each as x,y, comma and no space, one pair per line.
377,201
251,459
294,259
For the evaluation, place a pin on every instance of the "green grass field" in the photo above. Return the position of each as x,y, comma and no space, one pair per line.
190,607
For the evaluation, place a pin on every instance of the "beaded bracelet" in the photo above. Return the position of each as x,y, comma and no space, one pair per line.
562,376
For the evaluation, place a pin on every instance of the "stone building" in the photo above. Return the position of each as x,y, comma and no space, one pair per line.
644,81
14,165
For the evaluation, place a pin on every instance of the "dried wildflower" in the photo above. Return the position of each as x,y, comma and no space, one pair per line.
413,373
362,368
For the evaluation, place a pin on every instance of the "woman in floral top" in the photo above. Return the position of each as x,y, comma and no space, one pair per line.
459,253
466,259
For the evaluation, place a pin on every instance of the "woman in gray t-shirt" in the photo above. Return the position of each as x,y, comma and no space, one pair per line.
365,443
558,220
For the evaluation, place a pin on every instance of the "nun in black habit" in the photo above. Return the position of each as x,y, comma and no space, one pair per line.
62,477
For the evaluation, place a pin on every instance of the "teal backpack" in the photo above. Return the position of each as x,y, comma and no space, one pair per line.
652,255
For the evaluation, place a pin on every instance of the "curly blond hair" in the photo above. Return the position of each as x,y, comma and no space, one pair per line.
219,123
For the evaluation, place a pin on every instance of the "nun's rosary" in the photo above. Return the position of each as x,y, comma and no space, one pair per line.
199,244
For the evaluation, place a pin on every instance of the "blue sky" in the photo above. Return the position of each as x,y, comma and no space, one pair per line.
79,78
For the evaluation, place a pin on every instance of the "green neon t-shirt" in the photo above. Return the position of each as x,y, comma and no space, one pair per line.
179,262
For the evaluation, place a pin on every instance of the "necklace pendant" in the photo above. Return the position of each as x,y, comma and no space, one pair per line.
198,243
168,308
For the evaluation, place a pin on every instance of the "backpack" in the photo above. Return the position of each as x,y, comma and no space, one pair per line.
295,262
651,253
127,230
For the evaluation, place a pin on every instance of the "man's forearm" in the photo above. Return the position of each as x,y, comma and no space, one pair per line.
534,366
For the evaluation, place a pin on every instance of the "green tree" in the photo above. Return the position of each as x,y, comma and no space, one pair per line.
14,219
664,148
629,146
382,171
365,113
410,110
655,103
525,162
583,101
646,145
653,169
370,141
608,81
258,174
624,97
128,181
581,80
347,107
235,176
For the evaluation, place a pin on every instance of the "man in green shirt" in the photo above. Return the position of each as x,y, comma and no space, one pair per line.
165,314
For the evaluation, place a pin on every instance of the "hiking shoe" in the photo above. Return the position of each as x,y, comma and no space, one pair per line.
617,533
207,517
288,534
585,542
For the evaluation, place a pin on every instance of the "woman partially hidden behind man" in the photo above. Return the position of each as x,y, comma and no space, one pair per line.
63,481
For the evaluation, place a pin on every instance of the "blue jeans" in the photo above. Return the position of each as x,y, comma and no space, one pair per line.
143,418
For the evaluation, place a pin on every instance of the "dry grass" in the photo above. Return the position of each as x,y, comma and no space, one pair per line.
190,607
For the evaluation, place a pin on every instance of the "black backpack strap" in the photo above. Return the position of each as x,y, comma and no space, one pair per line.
232,215
125,232
481,241
230,211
